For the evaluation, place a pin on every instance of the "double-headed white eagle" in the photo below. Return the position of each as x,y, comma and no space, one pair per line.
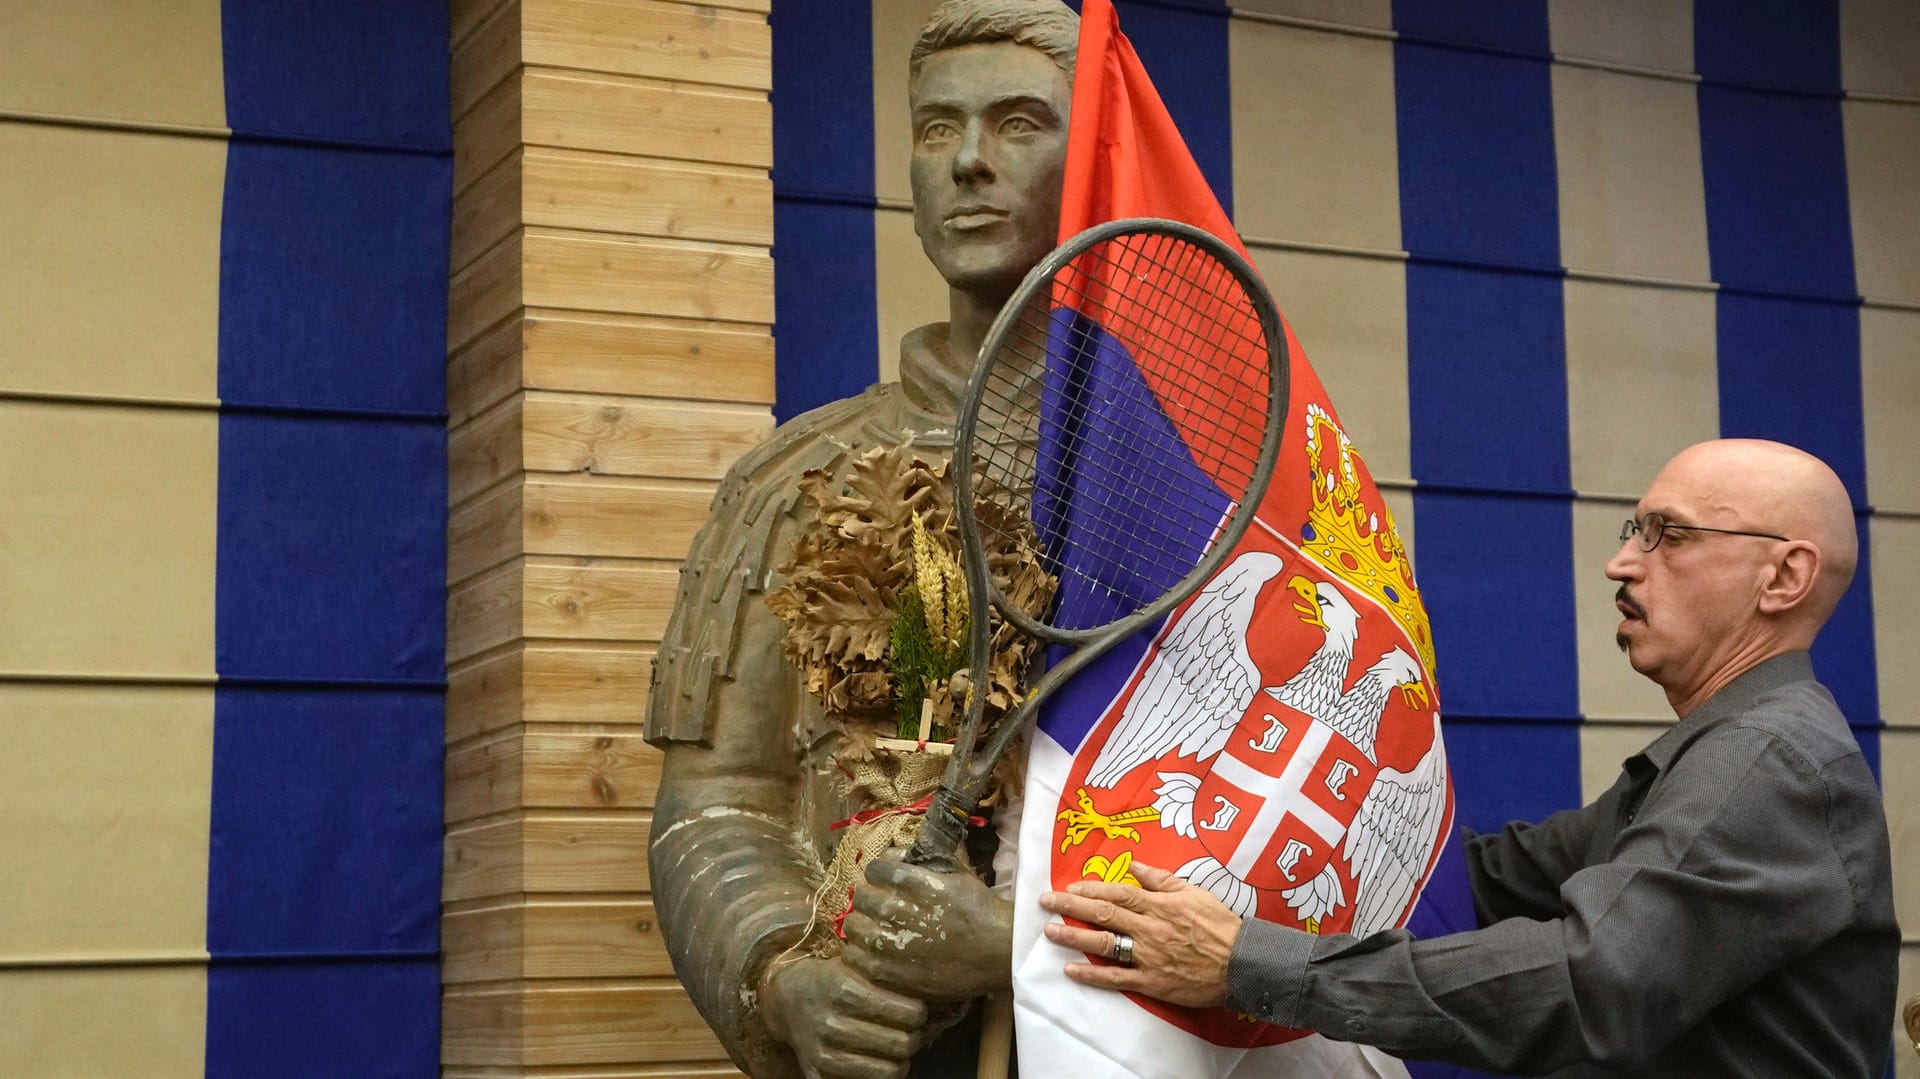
1200,683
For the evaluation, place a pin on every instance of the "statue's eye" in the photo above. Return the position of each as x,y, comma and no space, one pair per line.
1019,125
939,131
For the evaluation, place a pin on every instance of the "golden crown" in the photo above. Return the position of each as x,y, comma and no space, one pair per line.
1355,542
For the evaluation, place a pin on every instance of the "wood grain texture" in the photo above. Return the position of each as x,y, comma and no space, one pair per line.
614,437
684,42
648,356
485,532
554,938
614,1022
487,211
488,131
485,451
647,117
641,276
485,371
690,1070
546,851
539,682
486,611
576,189
486,56
488,291
612,516
598,600
533,768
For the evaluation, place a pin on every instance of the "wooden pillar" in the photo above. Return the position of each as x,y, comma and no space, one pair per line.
610,355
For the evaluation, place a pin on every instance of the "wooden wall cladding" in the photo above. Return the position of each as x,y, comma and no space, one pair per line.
611,355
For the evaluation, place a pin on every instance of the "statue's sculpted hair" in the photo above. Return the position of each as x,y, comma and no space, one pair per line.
1047,25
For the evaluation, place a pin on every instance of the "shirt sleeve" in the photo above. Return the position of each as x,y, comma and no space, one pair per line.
1727,871
1518,871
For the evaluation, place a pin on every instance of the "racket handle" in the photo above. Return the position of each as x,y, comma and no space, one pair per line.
942,831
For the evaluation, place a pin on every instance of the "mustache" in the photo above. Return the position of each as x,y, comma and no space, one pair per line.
1631,603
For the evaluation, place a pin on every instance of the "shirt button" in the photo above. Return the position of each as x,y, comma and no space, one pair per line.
1265,1006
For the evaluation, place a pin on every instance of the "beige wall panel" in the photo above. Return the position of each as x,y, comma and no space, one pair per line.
607,1023
555,939
1883,161
895,24
149,1022
603,436
646,277
1350,315
687,42
1890,399
1894,545
116,574
1900,782
1632,197
1609,687
1642,381
154,61
1603,746
1880,46
576,189
121,871
1370,14
655,119
646,356
1654,34
1315,150
82,240
582,599
908,291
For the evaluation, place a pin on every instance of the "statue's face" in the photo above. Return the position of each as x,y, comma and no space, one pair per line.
989,150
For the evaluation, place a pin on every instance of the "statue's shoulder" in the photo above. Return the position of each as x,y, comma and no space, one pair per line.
750,531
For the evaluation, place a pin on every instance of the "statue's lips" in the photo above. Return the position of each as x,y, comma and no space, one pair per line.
970,219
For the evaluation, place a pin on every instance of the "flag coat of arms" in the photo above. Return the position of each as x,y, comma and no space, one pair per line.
1276,739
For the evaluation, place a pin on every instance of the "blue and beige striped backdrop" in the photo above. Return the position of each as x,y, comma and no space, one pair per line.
1533,247
223,260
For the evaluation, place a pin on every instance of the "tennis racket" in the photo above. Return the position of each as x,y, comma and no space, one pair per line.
1122,422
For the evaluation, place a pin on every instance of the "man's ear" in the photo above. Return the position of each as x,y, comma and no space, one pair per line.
1793,573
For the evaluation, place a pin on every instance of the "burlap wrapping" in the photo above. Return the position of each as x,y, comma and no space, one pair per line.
888,786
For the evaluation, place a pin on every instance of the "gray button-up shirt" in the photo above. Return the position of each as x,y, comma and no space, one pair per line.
1726,909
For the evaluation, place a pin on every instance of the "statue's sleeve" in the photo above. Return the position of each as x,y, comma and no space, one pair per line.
729,860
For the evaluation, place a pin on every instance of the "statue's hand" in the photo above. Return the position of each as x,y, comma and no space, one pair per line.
939,936
839,1024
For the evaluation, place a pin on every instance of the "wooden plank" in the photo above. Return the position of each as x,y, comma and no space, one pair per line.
490,130
626,275
486,212
660,40
481,60
485,450
612,437
599,515
486,611
650,118
689,1070
465,16
486,292
614,1023
551,770
542,682
546,851
554,938
485,532
594,600
629,354
575,189
485,372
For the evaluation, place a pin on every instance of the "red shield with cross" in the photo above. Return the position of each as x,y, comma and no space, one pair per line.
1279,798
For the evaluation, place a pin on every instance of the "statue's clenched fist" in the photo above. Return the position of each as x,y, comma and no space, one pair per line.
940,936
839,1024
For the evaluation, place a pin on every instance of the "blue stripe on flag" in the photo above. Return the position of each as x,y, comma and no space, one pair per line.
370,72
1510,25
1782,43
825,318
321,1020
1776,183
1507,771
1183,46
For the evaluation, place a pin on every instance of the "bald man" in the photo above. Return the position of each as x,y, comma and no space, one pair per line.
1726,909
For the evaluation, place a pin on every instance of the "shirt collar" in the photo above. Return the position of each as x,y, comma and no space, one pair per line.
1733,699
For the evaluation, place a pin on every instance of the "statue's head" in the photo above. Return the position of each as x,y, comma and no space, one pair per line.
990,85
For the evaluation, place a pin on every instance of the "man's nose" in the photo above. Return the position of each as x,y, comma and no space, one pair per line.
971,162
1625,564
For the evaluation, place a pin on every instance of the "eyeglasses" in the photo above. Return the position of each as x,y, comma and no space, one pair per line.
1653,528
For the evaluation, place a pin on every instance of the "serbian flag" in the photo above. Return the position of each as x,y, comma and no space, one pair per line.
1276,739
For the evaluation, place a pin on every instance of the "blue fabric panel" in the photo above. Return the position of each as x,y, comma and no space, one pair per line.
333,278
1477,177
361,71
1486,380
1505,770
1784,43
325,835
1775,171
1513,25
823,127
1844,654
1497,575
332,549
825,323
1790,371
1183,46
324,1020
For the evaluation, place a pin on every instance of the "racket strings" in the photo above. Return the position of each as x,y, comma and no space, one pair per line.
1122,419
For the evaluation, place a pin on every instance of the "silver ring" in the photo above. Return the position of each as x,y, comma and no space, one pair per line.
1123,949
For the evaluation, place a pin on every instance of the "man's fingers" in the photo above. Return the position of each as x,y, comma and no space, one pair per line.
1120,895
1123,978
1098,911
1091,941
1154,879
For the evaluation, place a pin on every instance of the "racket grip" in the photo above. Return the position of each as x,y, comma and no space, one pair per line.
942,831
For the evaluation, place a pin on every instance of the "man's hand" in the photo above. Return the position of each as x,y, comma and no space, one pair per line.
840,1025
1182,936
938,936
